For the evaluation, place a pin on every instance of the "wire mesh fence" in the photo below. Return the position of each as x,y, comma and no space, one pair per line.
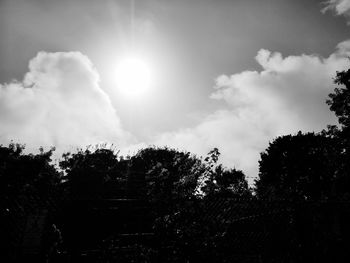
208,230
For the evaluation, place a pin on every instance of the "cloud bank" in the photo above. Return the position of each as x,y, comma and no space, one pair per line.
58,103
340,7
286,96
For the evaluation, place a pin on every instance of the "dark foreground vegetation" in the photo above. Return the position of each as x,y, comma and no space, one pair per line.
164,205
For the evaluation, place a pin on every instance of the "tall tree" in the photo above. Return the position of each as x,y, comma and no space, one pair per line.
298,167
339,102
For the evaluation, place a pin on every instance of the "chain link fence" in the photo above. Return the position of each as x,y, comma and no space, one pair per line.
208,230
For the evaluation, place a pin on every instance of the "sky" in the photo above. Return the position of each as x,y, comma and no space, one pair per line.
228,74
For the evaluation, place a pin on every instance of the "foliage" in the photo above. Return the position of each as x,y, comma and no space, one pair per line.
180,186
339,101
170,184
220,181
173,175
20,173
298,167
89,171
168,174
311,166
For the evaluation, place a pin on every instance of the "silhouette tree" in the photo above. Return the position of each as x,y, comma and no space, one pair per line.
170,175
21,173
230,183
311,166
339,103
167,178
173,174
178,185
298,167
90,172
220,181
29,184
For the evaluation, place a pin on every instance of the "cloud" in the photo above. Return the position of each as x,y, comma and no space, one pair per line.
340,7
59,103
286,96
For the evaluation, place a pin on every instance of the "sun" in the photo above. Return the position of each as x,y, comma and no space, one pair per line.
133,76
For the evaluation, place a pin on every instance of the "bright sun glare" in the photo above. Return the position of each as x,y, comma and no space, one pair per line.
134,76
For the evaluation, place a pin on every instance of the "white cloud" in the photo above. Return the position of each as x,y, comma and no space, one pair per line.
340,7
286,96
60,103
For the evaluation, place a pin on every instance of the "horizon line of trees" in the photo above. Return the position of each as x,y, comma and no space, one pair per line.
303,167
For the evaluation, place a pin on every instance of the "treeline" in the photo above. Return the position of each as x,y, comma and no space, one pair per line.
304,167
167,180
311,166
